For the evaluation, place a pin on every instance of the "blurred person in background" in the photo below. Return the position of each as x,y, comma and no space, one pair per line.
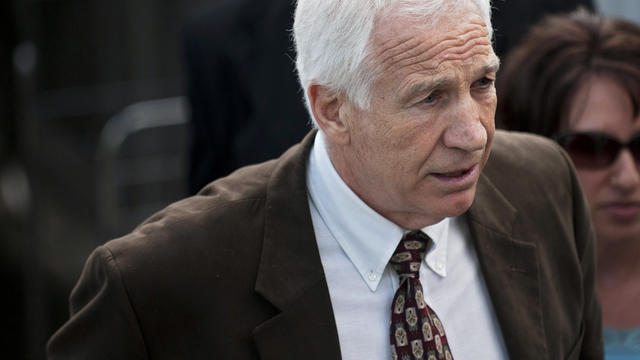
234,52
576,78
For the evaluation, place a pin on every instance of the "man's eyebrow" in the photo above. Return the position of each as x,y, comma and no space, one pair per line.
492,67
439,82
426,86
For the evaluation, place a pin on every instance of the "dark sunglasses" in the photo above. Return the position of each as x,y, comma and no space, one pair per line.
596,150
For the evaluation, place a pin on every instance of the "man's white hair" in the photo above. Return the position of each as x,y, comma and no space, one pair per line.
333,37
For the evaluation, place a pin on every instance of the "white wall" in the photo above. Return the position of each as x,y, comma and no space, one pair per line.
627,9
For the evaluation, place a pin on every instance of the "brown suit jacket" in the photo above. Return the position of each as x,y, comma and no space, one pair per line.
234,272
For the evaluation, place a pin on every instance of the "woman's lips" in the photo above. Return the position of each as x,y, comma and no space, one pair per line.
623,210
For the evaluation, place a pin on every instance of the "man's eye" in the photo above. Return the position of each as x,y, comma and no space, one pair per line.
432,98
485,82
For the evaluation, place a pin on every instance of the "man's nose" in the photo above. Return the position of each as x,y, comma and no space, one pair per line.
466,130
626,175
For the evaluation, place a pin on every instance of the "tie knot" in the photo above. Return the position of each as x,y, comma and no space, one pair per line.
409,254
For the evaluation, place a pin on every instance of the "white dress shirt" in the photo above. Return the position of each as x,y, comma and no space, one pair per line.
355,245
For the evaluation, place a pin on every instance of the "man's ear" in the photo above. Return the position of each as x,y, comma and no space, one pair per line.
328,109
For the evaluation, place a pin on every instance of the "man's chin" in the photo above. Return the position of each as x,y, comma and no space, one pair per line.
458,203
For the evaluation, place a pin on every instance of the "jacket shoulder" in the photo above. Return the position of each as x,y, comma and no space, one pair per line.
221,209
226,216
186,255
529,158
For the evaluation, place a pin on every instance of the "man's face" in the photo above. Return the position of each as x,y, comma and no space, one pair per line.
416,154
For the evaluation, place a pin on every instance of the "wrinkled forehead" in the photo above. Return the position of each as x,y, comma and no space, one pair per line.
421,11
399,44
397,25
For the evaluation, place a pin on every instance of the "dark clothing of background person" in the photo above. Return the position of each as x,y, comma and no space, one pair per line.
243,88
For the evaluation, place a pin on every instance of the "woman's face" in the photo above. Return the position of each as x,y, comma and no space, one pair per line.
613,192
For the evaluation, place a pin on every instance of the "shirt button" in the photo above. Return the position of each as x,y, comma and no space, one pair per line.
372,276
439,266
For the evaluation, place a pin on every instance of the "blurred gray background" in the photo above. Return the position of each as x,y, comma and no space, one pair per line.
93,139
77,124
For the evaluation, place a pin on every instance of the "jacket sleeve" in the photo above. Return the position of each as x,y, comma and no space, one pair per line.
103,323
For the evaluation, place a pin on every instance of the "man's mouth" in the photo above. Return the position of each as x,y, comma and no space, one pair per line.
460,178
454,174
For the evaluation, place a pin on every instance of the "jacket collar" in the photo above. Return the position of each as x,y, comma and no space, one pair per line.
510,268
290,274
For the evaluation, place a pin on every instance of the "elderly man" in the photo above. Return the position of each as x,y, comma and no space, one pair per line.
389,233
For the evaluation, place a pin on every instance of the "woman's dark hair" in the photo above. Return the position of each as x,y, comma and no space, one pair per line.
541,75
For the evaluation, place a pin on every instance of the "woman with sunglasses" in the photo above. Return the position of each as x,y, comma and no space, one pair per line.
576,78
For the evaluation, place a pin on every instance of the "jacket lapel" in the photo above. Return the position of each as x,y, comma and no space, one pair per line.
510,269
290,274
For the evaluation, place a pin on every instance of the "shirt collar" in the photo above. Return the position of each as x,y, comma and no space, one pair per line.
363,234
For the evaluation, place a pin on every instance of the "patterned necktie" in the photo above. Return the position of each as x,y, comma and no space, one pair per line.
415,331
